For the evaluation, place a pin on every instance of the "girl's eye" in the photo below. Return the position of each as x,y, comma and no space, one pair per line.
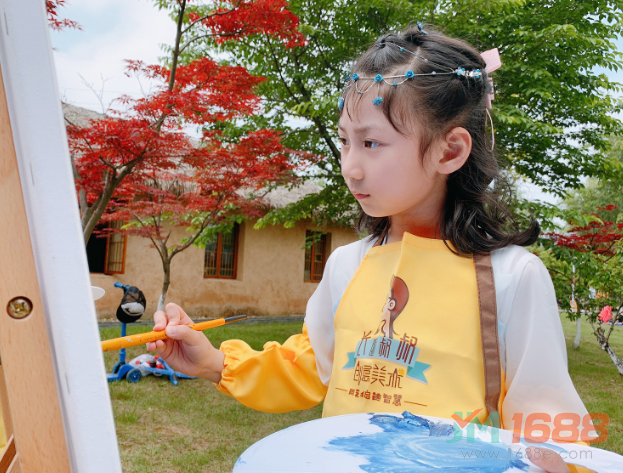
370,144
344,141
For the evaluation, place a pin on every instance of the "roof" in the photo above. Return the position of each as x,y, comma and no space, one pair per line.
282,196
79,116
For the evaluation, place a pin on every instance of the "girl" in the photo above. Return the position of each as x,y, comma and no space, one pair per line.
440,310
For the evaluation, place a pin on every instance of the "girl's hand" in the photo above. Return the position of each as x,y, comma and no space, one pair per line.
547,460
186,350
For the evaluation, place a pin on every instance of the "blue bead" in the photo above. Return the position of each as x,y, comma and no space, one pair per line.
340,103
377,101
347,78
355,76
378,78
409,74
394,84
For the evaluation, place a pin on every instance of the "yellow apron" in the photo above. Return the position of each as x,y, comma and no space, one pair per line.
410,333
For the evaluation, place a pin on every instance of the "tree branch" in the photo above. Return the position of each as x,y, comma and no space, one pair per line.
209,35
210,15
176,49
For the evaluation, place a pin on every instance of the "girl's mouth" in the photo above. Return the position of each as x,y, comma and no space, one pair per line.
359,196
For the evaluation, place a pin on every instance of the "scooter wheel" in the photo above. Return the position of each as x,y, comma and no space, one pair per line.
134,375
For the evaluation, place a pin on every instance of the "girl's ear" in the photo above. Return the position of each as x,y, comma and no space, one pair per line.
455,149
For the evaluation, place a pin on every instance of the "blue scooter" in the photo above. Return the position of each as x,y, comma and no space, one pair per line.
130,310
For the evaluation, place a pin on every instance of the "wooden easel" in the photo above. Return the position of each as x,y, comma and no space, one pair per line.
53,390
25,352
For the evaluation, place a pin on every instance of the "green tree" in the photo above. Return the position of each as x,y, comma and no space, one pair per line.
552,111
586,265
601,192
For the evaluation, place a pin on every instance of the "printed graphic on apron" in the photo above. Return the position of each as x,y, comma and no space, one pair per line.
403,352
396,302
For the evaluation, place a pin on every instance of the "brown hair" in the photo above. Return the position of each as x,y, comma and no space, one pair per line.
476,218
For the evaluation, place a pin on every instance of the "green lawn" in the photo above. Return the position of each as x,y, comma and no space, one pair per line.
194,428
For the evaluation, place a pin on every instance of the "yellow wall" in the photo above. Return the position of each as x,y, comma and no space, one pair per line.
269,280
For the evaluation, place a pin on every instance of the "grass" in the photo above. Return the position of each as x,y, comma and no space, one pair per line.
193,428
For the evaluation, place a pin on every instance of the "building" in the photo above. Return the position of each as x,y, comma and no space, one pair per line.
253,272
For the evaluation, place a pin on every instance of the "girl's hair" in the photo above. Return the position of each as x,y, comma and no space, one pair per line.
476,218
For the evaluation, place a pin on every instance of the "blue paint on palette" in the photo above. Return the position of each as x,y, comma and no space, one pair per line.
412,444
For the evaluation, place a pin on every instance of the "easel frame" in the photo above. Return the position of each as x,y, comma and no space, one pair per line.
53,389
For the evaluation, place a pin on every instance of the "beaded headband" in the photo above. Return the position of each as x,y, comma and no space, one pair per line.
491,58
492,63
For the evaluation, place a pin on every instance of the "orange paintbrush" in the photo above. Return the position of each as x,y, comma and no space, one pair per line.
141,338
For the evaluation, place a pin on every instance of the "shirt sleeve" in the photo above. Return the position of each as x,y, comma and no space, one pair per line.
537,376
322,306
280,378
319,319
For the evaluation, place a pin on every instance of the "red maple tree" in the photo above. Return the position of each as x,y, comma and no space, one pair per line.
114,156
56,23
589,234
214,185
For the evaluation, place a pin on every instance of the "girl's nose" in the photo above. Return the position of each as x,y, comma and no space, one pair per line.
351,166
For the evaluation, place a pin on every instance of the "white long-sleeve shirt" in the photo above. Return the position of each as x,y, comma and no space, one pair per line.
532,343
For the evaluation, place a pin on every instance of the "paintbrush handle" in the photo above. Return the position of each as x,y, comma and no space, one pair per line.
141,338
132,340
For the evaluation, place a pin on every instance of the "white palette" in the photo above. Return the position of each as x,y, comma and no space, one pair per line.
393,443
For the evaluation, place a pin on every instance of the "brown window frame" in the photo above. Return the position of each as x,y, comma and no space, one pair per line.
107,239
125,247
326,239
219,251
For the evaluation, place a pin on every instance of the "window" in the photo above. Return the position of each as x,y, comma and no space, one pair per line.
221,258
106,254
115,256
316,255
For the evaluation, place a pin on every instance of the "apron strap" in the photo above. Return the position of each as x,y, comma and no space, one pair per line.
489,331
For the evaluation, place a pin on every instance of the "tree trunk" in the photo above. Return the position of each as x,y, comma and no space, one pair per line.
605,346
93,214
578,333
615,359
89,224
166,266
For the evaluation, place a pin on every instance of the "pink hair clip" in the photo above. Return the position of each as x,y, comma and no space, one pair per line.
493,62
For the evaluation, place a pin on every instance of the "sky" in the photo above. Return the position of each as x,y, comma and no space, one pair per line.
115,30
112,31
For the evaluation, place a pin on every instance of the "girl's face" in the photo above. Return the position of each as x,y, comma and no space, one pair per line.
385,172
